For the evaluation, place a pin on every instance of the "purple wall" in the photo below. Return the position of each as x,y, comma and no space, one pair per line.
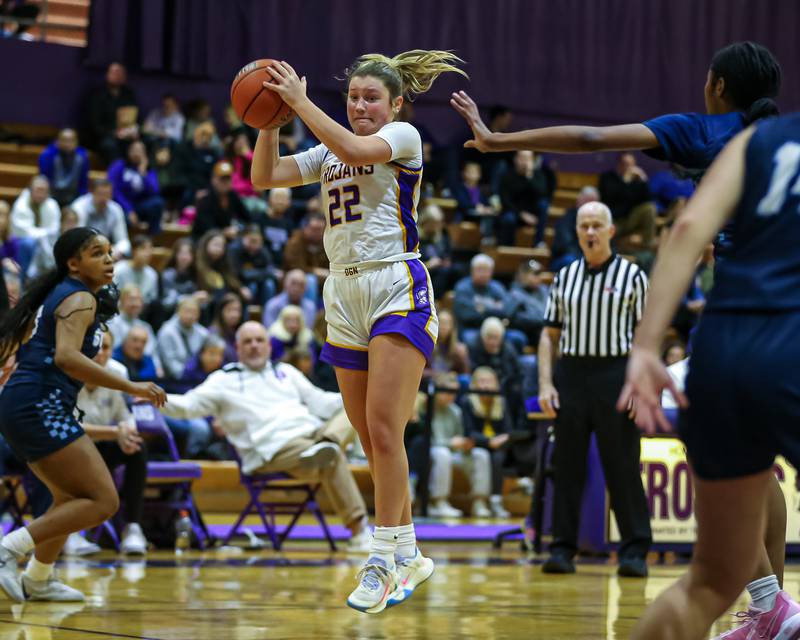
589,61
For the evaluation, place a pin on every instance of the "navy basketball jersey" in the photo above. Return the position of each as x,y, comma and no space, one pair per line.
691,141
36,357
761,271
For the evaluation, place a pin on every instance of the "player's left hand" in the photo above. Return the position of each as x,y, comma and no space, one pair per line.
646,377
287,84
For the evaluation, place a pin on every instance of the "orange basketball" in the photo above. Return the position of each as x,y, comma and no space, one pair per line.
256,106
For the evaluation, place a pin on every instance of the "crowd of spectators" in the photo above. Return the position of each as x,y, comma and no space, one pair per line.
249,253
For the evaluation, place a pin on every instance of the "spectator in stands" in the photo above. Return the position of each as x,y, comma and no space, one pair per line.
626,192
113,111
181,337
667,189
436,250
449,448
165,123
240,156
43,259
131,353
97,209
135,186
138,271
108,422
198,114
294,292
194,160
478,296
220,208
673,351
254,265
179,278
528,301
227,320
14,15
290,332
449,354
10,244
278,421
170,182
473,201
66,166
34,213
565,248
488,424
278,223
131,306
305,251
210,358
215,274
524,196
493,351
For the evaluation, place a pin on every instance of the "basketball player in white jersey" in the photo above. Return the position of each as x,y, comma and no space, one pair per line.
382,324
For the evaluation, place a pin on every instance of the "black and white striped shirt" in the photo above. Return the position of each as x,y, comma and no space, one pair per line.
597,310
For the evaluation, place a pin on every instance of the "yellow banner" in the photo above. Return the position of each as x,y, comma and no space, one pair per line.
668,487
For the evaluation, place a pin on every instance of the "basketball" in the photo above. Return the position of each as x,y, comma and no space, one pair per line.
256,106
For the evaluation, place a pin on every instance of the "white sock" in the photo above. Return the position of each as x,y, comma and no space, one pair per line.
19,542
38,571
763,592
384,544
406,541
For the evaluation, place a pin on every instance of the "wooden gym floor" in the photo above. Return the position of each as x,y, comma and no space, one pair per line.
475,593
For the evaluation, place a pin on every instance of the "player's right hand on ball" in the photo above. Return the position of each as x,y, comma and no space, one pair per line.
149,392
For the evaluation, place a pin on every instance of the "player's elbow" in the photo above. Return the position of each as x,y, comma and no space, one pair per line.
591,139
260,179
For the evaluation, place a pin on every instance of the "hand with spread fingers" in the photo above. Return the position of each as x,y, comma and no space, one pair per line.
645,379
286,83
466,106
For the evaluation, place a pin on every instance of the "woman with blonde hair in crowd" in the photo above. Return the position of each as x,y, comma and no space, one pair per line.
488,423
290,332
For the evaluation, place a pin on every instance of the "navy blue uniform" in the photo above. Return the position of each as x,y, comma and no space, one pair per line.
744,381
691,141
38,403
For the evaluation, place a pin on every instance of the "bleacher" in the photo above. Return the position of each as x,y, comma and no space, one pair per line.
19,161
62,22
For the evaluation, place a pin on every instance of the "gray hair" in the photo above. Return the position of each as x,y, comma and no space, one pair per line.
481,259
213,341
597,207
492,324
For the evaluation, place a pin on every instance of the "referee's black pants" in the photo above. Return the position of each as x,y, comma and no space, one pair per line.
588,389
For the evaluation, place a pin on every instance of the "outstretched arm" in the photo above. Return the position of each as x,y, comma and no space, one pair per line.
566,139
74,316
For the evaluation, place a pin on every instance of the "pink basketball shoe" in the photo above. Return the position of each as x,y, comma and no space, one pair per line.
781,623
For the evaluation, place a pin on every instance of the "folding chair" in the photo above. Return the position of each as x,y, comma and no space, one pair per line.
173,474
256,483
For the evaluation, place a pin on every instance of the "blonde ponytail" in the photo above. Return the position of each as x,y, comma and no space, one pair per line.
409,73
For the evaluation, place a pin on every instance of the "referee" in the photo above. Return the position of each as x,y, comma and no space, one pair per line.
594,305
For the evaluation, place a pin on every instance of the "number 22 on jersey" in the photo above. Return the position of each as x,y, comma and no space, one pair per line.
346,198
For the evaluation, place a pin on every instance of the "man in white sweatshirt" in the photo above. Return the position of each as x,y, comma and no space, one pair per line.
279,421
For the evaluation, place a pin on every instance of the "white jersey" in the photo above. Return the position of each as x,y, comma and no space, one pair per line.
372,209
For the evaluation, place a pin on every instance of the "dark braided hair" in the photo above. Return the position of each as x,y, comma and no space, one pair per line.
752,78
15,323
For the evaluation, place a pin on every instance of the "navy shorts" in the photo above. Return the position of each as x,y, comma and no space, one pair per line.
37,422
743,388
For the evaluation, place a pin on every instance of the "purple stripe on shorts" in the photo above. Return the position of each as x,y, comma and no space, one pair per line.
344,357
408,181
412,325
